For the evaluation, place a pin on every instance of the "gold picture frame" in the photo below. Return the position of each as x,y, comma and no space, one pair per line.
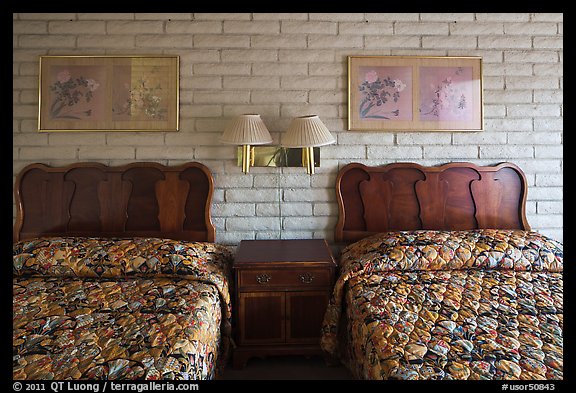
108,93
415,93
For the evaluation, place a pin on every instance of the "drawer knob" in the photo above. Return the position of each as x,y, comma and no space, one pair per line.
306,278
263,278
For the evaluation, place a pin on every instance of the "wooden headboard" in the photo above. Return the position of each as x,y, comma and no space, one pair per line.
142,199
409,196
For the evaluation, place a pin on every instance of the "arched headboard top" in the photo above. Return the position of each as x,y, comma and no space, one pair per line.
141,199
410,196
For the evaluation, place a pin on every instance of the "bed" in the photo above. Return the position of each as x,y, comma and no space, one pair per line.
116,274
441,276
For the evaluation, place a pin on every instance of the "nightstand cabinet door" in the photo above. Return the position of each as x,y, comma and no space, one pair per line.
305,312
262,317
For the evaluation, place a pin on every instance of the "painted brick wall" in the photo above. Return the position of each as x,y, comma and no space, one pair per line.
287,65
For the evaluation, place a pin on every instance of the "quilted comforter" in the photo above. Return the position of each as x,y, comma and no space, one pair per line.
141,308
478,304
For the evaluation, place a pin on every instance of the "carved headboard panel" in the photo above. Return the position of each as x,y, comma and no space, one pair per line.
409,196
92,199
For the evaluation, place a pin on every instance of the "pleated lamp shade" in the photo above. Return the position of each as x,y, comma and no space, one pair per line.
307,131
246,130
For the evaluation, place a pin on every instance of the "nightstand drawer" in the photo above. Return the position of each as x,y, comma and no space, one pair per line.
284,278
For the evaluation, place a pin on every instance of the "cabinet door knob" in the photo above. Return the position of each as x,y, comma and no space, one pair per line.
306,278
263,278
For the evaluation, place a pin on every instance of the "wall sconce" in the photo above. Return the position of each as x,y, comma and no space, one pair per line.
246,130
307,132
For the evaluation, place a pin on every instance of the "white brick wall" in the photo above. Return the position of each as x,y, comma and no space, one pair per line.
287,65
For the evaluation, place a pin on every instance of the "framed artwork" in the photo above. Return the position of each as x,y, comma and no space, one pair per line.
108,93
415,93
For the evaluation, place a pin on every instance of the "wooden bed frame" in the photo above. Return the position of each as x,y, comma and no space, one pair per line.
409,196
142,199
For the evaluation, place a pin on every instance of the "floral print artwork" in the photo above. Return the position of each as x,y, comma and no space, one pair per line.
386,93
141,308
109,93
140,93
415,93
466,305
446,93
75,92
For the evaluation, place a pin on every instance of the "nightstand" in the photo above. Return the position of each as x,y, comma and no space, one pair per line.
282,291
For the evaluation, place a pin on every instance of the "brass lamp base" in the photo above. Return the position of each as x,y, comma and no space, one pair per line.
308,159
246,158
276,156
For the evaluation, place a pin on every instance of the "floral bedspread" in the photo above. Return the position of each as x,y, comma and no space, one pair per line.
479,304
141,308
